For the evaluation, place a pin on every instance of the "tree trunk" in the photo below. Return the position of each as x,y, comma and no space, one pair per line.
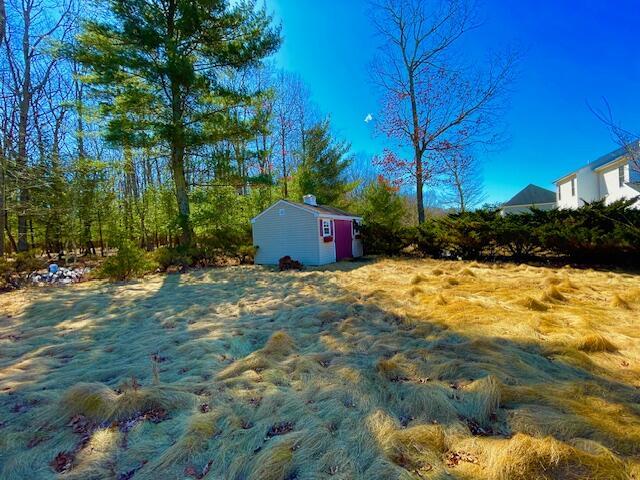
418,153
100,233
284,164
6,227
25,103
2,207
178,138
3,21
179,179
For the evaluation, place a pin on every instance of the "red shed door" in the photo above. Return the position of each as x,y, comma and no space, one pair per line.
343,239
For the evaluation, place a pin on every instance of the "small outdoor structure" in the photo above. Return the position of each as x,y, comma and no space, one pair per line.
530,197
310,233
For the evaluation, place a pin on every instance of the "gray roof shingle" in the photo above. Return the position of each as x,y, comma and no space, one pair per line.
531,195
326,209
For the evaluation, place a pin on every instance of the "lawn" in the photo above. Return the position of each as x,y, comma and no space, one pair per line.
416,369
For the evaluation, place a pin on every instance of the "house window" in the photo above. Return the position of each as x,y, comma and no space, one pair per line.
621,175
281,212
326,228
573,187
559,193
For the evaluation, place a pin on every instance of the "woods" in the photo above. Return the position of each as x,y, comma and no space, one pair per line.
156,122
166,122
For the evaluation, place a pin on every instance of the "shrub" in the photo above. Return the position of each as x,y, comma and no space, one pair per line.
27,262
470,234
6,270
381,239
516,234
246,254
174,257
129,262
429,238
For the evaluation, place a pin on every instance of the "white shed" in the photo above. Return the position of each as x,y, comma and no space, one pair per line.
310,233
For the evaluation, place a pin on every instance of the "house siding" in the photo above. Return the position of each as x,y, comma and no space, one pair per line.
296,233
565,199
514,209
610,185
326,250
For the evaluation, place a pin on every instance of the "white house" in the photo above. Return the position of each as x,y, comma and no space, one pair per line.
310,233
529,197
611,177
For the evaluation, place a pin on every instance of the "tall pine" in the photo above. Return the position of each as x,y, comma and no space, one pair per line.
161,68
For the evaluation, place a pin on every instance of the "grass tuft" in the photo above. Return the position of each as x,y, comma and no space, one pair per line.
618,302
553,294
525,458
415,291
274,462
567,284
482,400
595,343
280,344
440,300
416,447
533,304
417,279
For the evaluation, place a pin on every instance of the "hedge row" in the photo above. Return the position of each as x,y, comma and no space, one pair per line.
594,233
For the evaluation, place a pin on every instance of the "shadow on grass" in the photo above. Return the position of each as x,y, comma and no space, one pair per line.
328,397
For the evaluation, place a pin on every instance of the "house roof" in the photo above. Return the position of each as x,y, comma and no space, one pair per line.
324,209
531,195
604,159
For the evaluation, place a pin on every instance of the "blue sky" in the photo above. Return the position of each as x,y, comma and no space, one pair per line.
574,52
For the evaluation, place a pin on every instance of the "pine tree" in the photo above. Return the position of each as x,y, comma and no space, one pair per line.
161,67
382,205
322,172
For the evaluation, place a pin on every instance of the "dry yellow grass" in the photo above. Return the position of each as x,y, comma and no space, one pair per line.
393,369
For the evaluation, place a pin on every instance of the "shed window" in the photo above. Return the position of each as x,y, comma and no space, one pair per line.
326,228
573,187
621,175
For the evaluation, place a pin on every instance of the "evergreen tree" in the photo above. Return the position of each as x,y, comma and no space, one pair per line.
381,205
161,67
325,161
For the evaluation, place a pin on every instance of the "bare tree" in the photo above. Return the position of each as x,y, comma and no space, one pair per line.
625,138
293,113
462,178
431,102
31,66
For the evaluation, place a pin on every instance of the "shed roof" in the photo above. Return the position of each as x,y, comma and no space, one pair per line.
315,209
531,195
324,209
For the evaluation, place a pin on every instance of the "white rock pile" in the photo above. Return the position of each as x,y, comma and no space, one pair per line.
58,275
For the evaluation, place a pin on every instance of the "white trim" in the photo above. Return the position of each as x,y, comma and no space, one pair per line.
326,222
566,178
621,160
338,217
